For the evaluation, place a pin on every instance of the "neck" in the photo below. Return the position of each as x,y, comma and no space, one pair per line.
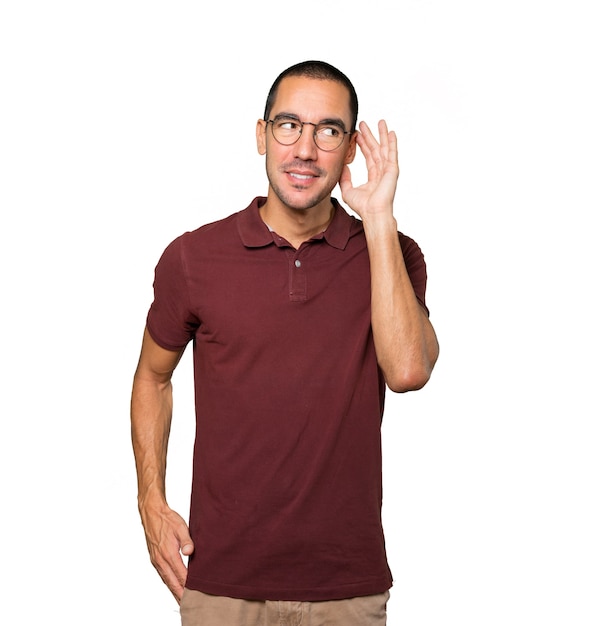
296,225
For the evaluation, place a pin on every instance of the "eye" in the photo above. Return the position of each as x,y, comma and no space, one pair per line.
286,124
329,132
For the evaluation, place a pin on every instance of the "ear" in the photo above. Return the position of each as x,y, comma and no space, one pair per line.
351,149
261,136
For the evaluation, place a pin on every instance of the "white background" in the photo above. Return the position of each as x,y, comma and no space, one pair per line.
112,144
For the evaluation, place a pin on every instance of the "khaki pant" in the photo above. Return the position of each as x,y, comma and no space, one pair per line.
200,609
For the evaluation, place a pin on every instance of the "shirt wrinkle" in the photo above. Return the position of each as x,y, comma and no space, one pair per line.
287,487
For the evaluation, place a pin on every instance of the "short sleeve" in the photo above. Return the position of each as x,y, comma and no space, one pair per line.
171,322
416,267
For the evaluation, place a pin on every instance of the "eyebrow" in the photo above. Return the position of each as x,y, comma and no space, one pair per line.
332,121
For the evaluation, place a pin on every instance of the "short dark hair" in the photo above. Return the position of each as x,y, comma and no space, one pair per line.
321,71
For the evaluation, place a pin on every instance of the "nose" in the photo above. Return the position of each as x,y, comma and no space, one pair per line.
306,148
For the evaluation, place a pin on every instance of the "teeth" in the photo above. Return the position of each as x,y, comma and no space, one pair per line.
301,176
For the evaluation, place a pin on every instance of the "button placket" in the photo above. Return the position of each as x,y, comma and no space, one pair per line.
297,279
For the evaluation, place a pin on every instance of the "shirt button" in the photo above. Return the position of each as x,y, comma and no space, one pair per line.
297,263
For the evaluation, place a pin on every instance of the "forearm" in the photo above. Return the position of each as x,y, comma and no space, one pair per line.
166,532
405,342
151,413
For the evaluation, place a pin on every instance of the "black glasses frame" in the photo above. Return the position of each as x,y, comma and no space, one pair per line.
314,135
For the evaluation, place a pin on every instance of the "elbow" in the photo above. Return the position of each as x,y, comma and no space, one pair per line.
411,373
407,380
410,376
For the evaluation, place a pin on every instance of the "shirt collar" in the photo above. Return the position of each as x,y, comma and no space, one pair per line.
255,234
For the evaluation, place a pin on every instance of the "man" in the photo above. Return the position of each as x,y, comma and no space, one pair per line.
299,313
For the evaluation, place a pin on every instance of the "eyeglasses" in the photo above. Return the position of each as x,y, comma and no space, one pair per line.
288,130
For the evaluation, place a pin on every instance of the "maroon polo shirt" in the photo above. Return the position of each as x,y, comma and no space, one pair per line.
287,490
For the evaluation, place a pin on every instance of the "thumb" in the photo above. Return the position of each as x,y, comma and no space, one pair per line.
345,181
187,548
184,539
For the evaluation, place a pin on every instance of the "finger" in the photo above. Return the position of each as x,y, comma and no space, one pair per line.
369,147
366,139
393,150
345,181
180,574
173,575
383,134
380,150
168,561
390,138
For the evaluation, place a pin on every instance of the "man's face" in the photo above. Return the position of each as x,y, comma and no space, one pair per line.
302,176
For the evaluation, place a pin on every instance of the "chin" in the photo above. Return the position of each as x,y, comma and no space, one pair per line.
299,201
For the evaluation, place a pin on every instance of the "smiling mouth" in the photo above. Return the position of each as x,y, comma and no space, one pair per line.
303,172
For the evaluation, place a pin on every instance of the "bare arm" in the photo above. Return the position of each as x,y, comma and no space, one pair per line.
151,414
405,341
406,344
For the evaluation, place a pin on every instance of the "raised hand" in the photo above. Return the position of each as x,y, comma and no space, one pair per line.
375,197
